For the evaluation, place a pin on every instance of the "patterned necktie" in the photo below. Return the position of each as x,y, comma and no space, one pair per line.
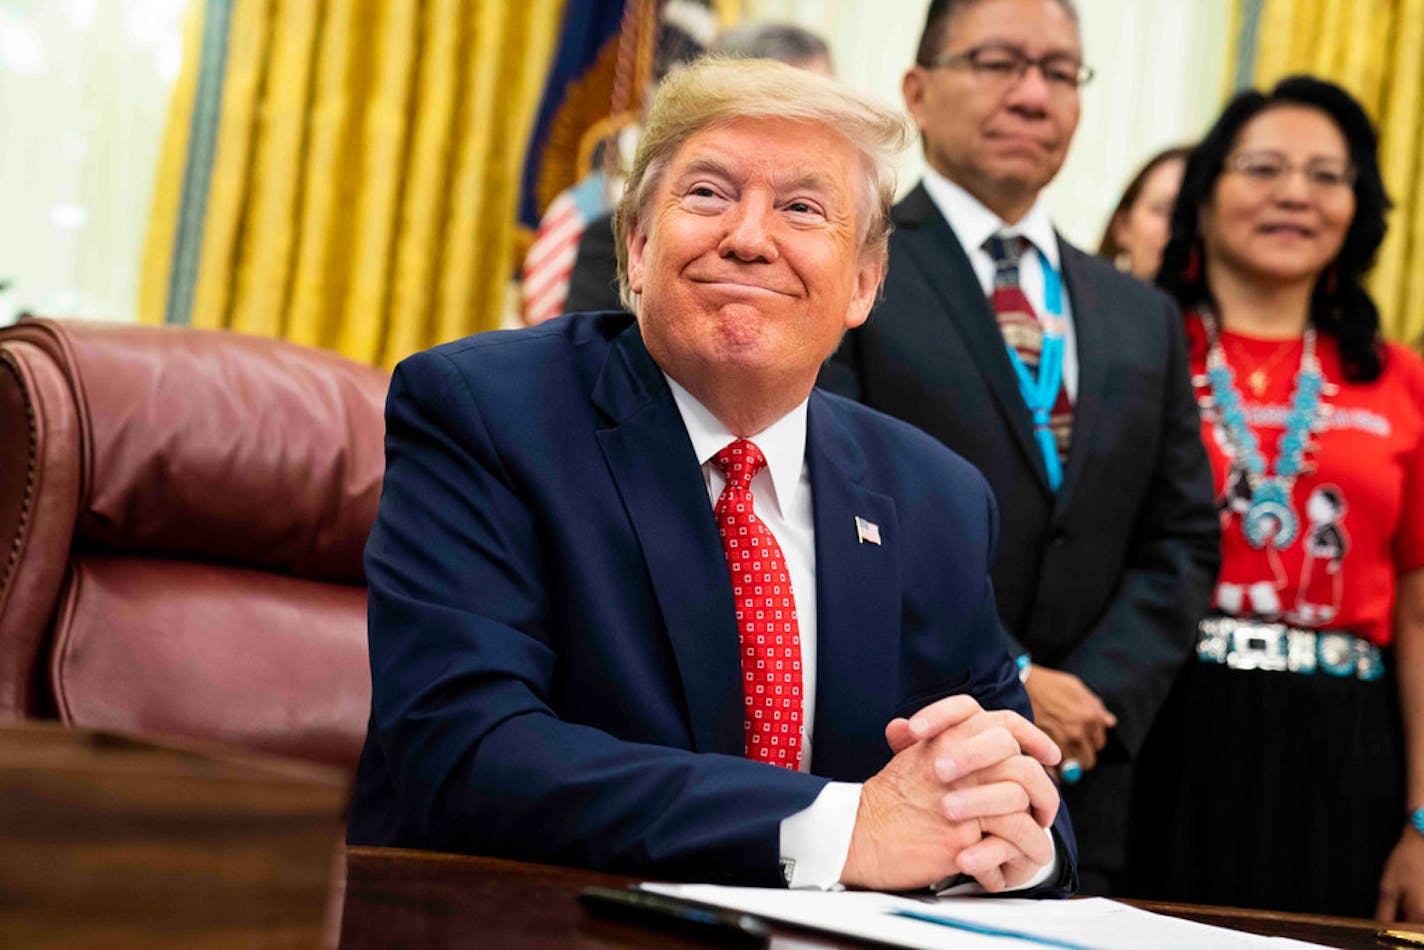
770,638
1021,327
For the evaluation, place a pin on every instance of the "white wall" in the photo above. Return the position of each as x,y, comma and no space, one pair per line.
1161,68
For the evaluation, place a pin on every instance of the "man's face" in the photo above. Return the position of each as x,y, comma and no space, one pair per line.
747,258
999,136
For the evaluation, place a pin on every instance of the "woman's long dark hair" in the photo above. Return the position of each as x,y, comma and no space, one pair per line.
1339,305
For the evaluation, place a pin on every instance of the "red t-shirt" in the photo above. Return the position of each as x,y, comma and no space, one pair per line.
1360,514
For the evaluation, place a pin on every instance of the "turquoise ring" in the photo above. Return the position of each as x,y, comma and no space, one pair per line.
1071,772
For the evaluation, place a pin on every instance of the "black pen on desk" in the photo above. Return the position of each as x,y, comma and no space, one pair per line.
687,918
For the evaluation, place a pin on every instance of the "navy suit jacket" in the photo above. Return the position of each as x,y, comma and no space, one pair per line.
554,654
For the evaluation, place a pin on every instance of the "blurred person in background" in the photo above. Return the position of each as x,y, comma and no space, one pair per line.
783,42
1138,227
1287,768
593,285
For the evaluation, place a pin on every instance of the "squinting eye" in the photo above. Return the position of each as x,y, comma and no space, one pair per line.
1061,73
704,199
1327,177
801,207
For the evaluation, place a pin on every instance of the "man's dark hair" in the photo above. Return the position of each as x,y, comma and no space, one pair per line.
1339,306
937,25
784,42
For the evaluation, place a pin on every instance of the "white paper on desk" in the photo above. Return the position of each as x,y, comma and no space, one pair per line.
1092,922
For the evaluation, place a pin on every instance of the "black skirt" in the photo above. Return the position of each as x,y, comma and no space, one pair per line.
1274,790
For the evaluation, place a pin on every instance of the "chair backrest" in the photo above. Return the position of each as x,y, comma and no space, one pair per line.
185,512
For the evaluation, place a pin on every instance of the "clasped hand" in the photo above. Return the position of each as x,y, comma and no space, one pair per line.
966,792
1071,714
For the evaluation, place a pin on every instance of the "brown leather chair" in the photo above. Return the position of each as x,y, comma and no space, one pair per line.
183,513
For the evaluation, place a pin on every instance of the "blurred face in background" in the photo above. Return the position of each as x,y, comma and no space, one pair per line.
1284,201
999,134
1142,228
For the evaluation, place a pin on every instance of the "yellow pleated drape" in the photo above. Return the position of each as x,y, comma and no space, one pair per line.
366,172
157,261
1375,49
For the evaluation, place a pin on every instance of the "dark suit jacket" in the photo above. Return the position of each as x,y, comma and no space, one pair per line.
554,657
593,283
1106,579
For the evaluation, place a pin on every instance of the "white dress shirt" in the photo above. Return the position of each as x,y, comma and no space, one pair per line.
974,224
814,841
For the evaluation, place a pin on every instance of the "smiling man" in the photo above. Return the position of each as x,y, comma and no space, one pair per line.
641,600
1062,380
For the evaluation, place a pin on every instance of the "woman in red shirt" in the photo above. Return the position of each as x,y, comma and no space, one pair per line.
1287,769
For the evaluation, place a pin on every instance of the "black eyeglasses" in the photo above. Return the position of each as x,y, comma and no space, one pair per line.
1004,65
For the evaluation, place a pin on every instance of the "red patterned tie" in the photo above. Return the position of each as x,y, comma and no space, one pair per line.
1021,327
766,615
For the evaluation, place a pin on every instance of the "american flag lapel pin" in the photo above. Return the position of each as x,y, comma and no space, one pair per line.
866,531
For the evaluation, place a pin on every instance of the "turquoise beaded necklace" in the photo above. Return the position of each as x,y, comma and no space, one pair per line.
1270,518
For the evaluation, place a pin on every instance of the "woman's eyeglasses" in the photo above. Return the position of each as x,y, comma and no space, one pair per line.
1269,169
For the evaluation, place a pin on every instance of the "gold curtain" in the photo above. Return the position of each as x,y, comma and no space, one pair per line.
366,170
1375,49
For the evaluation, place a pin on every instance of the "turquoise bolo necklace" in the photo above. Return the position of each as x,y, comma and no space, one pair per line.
1040,390
1270,518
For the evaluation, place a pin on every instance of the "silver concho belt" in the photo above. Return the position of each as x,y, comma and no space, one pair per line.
1254,645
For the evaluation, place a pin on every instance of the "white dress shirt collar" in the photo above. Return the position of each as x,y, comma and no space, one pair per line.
974,224
783,443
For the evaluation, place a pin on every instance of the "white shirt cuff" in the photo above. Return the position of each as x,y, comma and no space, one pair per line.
1049,872
816,840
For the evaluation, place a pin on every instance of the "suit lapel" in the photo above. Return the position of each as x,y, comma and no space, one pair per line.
857,606
936,252
661,484
1092,345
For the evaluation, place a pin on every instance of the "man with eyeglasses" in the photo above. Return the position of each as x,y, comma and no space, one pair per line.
1064,381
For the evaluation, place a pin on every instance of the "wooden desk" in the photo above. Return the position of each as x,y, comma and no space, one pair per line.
422,899
109,840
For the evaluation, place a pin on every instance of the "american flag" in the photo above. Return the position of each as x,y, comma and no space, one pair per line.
866,531
550,261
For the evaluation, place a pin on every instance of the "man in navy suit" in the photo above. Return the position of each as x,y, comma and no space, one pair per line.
570,658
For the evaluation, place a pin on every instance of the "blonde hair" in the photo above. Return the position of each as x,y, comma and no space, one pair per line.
716,90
